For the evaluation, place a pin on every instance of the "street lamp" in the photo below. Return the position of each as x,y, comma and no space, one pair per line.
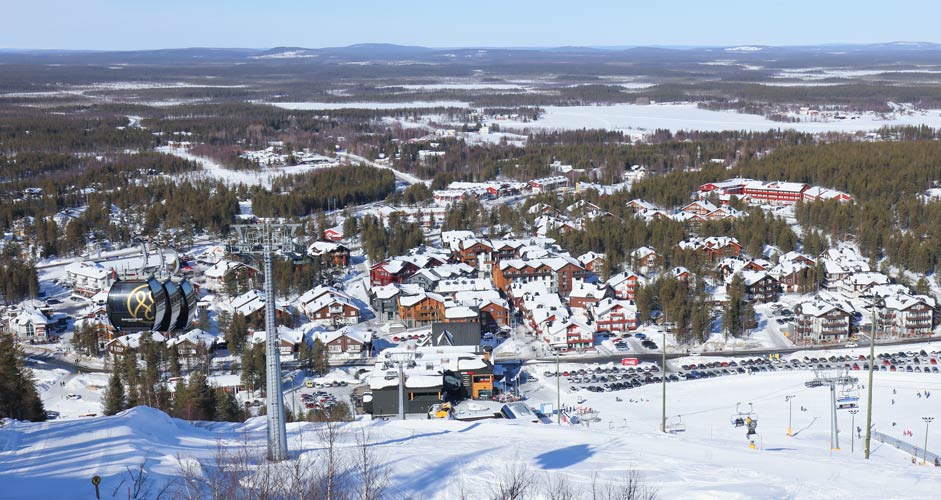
924,457
401,358
663,377
853,430
790,404
558,390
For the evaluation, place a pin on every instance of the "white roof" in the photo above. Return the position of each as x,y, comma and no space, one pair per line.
196,336
132,340
219,269
459,312
87,269
357,334
411,300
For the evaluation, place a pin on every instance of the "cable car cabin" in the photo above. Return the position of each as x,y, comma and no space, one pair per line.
188,306
175,301
137,305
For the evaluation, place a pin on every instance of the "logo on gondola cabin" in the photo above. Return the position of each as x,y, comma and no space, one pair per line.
140,303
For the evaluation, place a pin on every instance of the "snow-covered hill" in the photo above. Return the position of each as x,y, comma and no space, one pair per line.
439,459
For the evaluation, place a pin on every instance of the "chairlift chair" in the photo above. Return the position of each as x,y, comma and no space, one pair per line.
742,413
675,425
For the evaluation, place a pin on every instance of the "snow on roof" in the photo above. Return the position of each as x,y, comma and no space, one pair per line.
195,336
869,279
87,269
464,285
749,278
606,306
580,289
284,333
319,292
324,247
588,257
644,205
386,291
459,312
411,300
221,268
643,252
816,307
31,316
902,302
132,340
356,334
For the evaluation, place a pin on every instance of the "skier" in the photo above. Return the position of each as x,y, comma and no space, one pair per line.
936,462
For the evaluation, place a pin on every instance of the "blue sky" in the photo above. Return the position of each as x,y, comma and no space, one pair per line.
150,24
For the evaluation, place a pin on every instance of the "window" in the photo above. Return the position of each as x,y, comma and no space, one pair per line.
334,348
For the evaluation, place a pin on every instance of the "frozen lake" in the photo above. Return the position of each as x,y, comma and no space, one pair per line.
635,119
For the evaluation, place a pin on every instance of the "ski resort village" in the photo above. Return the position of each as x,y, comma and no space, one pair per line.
396,272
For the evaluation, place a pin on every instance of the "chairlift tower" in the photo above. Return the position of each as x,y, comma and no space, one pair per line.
832,378
402,358
265,238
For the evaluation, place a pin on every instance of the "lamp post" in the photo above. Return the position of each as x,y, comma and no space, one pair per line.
872,363
558,390
853,430
790,404
924,456
663,377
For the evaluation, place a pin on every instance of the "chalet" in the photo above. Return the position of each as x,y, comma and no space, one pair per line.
421,309
713,248
861,283
817,193
346,343
475,253
87,278
120,346
904,316
289,340
334,234
724,213
645,260
699,207
330,253
385,301
193,343
585,295
591,261
820,321
461,314
624,285
391,271
680,274
215,276
789,274
211,255
251,305
570,334
332,311
557,273
615,315
31,326
639,206
760,286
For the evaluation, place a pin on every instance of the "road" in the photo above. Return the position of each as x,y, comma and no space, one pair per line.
402,176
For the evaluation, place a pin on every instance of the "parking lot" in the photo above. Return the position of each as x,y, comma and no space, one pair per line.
609,378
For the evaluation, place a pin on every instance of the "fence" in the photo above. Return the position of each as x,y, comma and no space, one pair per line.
909,448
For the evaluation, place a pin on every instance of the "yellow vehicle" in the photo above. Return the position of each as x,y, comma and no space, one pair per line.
439,410
308,383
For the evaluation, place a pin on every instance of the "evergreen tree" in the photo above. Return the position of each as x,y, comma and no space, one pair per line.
113,400
18,396
319,358
236,333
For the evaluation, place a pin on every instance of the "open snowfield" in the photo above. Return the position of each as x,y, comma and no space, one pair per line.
231,177
367,105
635,119
437,459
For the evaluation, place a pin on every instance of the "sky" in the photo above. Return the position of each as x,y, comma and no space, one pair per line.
153,24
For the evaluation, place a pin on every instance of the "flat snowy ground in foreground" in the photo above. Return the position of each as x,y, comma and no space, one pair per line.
435,459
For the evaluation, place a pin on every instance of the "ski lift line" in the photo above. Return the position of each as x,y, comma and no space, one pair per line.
762,398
